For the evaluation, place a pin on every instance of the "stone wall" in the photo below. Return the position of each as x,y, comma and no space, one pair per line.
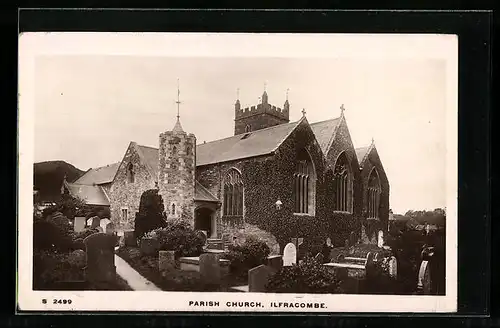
176,174
126,194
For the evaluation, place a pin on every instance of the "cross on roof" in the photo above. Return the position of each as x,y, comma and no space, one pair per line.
178,102
342,108
287,93
303,112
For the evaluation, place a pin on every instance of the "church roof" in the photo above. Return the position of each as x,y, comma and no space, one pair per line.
362,152
91,194
251,144
324,132
100,175
202,194
150,156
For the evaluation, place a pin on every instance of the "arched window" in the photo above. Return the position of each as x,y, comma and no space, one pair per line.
248,128
174,151
189,150
343,181
130,173
233,194
304,184
173,209
373,195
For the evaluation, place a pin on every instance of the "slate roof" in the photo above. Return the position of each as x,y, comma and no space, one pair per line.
202,194
100,175
93,195
324,132
151,157
251,144
361,153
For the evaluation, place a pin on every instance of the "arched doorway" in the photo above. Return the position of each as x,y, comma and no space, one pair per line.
204,220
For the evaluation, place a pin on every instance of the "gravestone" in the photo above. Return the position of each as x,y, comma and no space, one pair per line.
110,228
380,241
100,258
103,224
393,267
210,270
258,278
319,257
129,238
79,223
166,261
95,222
424,278
290,255
275,262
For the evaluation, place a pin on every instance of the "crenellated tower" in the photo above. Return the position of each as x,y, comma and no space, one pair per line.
260,116
176,171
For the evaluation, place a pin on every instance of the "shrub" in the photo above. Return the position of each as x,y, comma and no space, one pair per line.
52,233
251,253
150,215
51,267
179,237
308,276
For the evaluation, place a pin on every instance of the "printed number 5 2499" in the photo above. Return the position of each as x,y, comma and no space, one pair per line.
59,301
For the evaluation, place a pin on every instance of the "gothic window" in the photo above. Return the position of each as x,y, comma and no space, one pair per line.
233,194
173,209
304,184
124,214
188,150
248,128
130,173
174,151
373,195
343,185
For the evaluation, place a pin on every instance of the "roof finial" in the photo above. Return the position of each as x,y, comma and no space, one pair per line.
178,102
373,141
303,112
342,109
287,94
265,85
237,93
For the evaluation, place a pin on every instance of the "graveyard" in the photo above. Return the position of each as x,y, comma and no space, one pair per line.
88,253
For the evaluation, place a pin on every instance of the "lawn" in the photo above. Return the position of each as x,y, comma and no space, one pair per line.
176,280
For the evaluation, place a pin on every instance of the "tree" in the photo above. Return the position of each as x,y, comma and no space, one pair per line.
68,205
151,213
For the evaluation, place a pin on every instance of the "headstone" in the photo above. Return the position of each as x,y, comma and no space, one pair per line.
110,228
275,262
290,255
393,267
129,238
89,222
380,241
424,278
79,223
210,270
258,278
319,258
166,261
100,258
369,258
149,246
103,224
95,222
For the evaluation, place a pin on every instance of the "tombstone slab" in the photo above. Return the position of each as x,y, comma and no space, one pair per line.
275,262
393,267
258,278
79,223
103,223
210,270
424,278
289,255
100,258
129,238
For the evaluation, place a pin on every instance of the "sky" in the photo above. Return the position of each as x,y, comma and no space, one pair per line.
88,107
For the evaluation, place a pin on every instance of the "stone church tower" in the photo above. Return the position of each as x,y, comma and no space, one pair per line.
258,117
176,172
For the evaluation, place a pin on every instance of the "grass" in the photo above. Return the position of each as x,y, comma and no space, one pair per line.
176,279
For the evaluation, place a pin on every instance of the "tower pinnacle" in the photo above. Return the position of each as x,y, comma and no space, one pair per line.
178,127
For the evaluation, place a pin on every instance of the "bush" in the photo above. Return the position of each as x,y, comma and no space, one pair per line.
308,276
244,257
50,267
179,237
150,215
52,233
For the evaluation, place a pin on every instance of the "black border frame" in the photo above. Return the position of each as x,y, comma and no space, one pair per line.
475,61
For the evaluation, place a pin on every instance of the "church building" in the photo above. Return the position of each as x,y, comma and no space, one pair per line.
273,178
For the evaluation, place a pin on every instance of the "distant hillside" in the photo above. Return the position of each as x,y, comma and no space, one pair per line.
48,178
